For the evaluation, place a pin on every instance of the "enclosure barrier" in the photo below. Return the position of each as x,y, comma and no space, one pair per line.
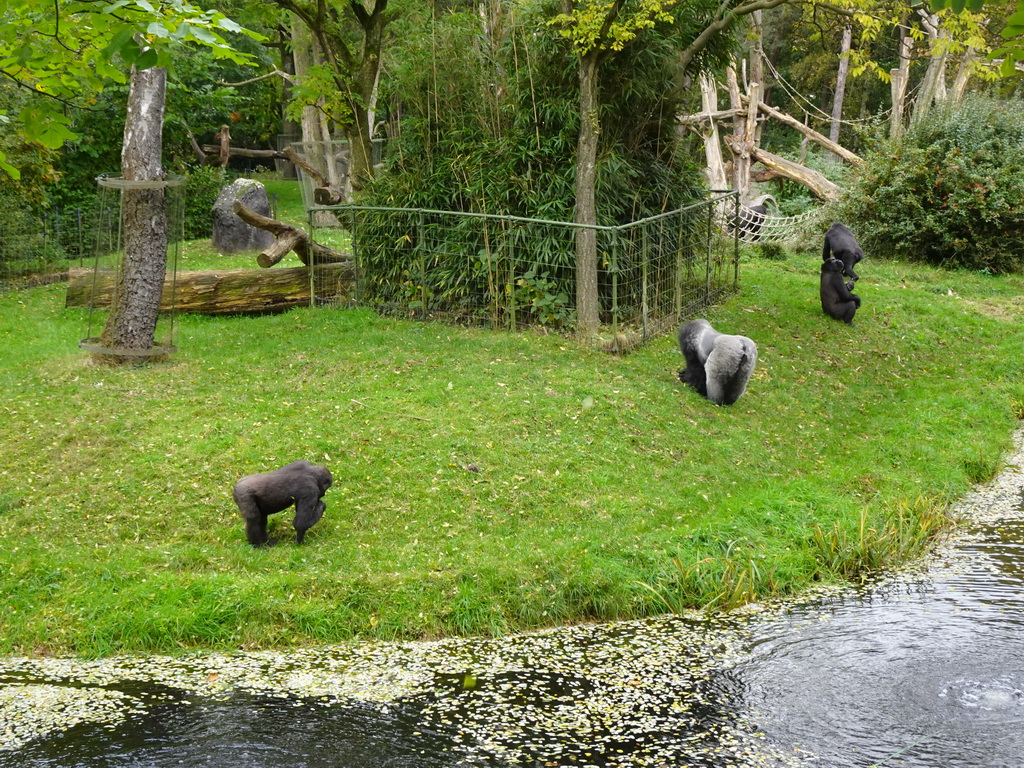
512,272
39,248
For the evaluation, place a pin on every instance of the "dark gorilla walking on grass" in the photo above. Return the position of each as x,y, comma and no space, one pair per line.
841,244
299,483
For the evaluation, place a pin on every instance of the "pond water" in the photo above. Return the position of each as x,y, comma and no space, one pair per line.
925,670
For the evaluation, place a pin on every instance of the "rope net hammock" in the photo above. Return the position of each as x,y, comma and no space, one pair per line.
757,226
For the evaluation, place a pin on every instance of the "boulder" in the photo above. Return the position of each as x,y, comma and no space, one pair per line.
230,233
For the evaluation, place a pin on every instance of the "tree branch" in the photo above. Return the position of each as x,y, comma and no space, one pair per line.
276,73
725,18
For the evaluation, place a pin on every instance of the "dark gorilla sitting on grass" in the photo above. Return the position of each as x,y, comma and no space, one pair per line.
299,483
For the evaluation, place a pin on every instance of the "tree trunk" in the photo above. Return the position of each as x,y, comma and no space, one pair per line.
812,135
933,85
131,324
963,74
840,94
360,131
288,239
738,142
900,78
587,310
712,143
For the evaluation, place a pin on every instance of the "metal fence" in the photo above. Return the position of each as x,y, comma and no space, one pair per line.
38,248
512,272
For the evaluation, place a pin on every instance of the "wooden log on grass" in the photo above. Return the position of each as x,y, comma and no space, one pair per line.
288,239
222,292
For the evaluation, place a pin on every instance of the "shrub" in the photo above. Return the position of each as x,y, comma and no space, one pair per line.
204,184
950,192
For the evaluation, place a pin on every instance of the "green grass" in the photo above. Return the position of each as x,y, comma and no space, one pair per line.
486,482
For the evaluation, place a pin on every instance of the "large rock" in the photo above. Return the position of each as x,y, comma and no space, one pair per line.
230,233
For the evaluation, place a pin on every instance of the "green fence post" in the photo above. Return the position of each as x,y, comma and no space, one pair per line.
707,274
645,266
736,243
512,309
420,236
614,264
312,262
680,238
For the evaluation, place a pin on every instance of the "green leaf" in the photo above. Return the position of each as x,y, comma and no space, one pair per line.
157,29
149,58
9,169
46,126
958,5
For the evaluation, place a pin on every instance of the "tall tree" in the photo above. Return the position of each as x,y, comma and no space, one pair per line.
352,65
597,30
63,51
840,92
131,323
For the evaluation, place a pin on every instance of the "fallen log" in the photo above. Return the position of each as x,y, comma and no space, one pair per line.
223,292
812,134
288,239
820,187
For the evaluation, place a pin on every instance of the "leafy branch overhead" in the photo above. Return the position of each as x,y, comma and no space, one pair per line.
1013,50
66,51
603,26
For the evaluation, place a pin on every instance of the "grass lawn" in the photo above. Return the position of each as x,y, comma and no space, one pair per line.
486,482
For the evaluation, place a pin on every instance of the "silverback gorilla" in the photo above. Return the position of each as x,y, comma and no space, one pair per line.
299,483
717,365
841,244
836,299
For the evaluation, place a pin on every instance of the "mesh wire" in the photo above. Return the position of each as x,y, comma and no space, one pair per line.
511,272
40,248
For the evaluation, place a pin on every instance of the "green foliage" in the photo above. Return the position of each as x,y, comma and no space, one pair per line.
950,192
547,304
600,25
494,130
67,51
203,185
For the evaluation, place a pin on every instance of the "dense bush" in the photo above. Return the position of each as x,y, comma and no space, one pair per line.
494,130
950,192
203,185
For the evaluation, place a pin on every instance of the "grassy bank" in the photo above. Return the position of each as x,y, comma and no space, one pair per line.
485,482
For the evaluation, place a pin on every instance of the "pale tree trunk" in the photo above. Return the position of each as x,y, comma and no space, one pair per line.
302,52
900,77
712,143
755,90
744,139
131,325
738,142
360,130
587,314
963,74
315,152
841,75
933,86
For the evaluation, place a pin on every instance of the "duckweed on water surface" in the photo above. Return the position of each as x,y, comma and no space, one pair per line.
635,693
